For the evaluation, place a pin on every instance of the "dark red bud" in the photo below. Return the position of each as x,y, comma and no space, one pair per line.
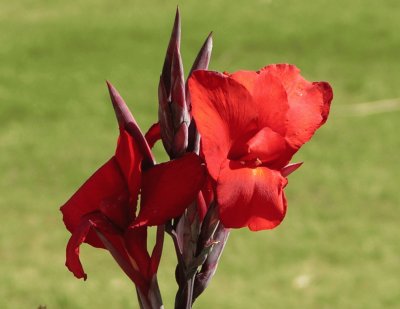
180,140
203,57
174,43
128,123
201,63
173,113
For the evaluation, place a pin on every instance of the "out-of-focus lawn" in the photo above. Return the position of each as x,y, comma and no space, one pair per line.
339,246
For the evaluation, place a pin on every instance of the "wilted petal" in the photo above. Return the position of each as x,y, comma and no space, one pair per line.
250,197
168,188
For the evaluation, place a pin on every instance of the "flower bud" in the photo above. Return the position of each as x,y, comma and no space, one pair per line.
173,113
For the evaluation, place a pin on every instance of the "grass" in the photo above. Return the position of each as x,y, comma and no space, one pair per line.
338,246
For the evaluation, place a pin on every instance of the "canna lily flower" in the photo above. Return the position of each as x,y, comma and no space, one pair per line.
102,212
251,124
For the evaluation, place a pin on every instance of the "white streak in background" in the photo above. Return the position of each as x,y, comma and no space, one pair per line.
302,281
369,108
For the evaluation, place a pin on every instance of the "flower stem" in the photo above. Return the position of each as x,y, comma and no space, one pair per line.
153,299
184,295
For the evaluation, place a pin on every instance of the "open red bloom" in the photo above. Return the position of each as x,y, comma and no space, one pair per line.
251,124
102,212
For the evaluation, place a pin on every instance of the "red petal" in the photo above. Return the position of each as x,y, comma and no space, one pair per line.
77,238
117,210
79,235
223,113
309,103
269,98
157,250
271,103
250,197
153,134
266,145
129,159
169,188
105,184
136,244
245,78
202,207
116,245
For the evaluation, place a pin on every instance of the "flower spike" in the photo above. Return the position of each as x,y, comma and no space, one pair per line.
173,113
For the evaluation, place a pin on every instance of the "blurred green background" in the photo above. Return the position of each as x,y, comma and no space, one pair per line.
339,246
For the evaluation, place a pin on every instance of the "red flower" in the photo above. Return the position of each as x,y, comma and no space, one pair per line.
251,124
102,212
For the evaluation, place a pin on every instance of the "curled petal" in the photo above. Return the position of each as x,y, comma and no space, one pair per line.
73,262
112,240
153,134
250,197
79,235
169,188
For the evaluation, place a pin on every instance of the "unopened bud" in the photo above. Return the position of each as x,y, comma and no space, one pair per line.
173,113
